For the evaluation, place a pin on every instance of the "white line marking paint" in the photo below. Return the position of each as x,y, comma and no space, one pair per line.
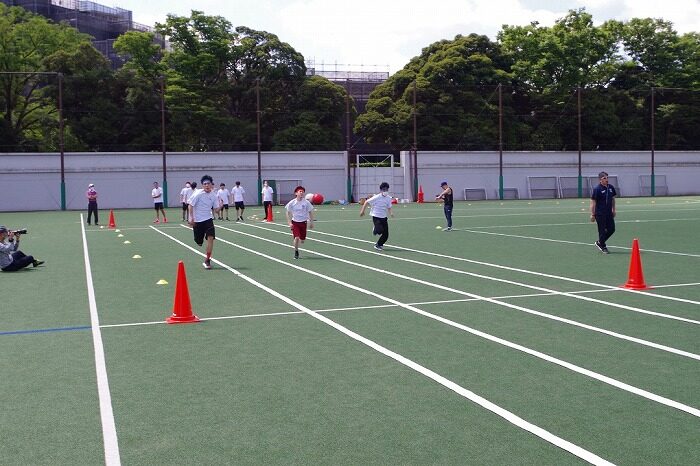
515,269
109,430
501,280
468,394
603,378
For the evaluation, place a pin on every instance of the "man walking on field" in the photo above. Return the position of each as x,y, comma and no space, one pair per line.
603,211
299,213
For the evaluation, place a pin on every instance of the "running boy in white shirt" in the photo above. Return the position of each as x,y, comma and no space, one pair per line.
224,198
201,204
185,194
299,212
380,207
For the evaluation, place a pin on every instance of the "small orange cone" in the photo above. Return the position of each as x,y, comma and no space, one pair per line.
269,213
636,276
111,219
421,195
182,308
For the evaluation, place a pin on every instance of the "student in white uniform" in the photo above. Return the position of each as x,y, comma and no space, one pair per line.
267,193
157,195
201,204
299,214
380,210
238,200
185,194
224,199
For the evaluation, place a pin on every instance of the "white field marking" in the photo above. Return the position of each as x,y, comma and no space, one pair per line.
586,223
515,269
468,394
109,430
469,230
502,303
510,282
572,367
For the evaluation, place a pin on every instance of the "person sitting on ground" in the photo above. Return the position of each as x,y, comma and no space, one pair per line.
11,258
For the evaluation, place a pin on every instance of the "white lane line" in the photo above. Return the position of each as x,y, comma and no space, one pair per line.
468,394
501,341
572,242
501,280
109,430
513,269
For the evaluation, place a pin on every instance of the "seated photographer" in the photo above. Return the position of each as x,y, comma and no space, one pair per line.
11,258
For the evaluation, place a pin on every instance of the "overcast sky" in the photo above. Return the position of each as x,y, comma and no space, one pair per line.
383,35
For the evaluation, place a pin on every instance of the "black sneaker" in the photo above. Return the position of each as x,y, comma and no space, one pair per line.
378,247
207,264
37,263
600,248
448,229
296,254
605,251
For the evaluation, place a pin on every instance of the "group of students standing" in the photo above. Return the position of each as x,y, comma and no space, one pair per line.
200,205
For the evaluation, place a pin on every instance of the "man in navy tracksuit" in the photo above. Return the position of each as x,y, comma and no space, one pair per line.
603,211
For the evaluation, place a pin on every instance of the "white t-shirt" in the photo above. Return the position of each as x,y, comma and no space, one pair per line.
267,193
202,202
380,203
224,196
238,193
300,209
157,194
185,194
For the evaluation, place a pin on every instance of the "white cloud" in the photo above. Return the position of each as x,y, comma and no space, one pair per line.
385,34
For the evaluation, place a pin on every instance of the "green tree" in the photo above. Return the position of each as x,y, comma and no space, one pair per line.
29,45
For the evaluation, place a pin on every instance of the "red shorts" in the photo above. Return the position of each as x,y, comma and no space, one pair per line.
299,230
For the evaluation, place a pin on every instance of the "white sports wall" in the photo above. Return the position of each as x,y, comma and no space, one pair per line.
124,180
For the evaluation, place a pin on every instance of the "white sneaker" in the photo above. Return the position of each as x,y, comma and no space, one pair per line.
207,264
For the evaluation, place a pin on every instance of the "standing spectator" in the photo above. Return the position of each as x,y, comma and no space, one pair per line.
448,196
157,195
299,212
201,204
185,194
603,211
91,195
11,258
224,199
238,200
380,209
267,193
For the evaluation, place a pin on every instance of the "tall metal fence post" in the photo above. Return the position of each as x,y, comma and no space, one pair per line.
653,142
259,143
61,140
347,140
162,140
415,142
580,178
500,142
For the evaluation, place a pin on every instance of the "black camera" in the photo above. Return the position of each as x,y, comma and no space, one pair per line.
20,232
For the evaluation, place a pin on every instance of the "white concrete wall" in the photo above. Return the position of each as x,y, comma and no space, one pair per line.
481,170
124,180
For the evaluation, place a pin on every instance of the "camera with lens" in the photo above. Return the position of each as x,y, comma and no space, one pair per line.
23,231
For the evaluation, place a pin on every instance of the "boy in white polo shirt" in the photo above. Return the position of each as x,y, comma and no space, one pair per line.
380,208
201,204
299,212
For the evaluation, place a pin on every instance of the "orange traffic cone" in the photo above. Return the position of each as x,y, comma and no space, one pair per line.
182,308
269,213
636,276
111,219
421,195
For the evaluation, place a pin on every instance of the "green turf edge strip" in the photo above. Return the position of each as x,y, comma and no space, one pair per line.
109,430
603,378
505,414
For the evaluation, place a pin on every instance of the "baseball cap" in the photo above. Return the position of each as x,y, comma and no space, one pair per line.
3,229
91,185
